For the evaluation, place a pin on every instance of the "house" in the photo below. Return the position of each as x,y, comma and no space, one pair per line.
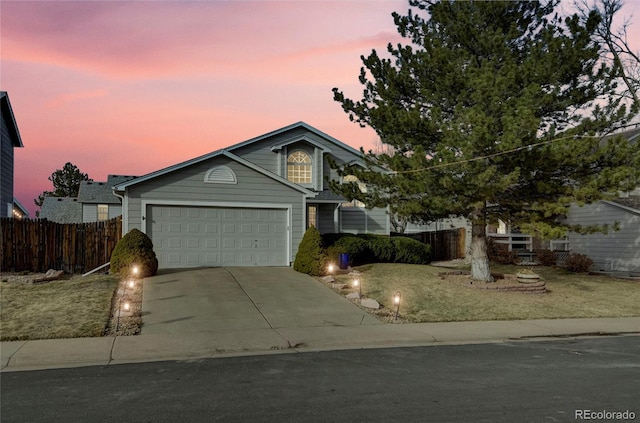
95,202
616,251
10,139
248,204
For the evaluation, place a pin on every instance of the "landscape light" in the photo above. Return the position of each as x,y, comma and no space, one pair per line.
331,267
126,306
132,283
396,301
356,283
135,269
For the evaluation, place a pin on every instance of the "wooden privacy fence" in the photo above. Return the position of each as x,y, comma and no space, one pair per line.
445,245
39,245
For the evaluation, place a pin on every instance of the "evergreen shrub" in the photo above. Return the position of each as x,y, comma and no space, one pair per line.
135,248
411,251
310,258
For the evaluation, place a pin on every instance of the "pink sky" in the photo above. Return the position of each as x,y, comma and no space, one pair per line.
131,87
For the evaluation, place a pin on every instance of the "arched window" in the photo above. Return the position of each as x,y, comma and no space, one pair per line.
299,168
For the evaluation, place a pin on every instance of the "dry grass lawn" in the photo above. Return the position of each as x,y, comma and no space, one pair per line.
428,298
72,308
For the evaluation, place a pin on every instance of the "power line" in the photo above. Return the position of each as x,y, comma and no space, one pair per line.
501,153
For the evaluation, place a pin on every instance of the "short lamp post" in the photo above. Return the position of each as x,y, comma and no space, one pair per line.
331,268
356,283
135,270
396,300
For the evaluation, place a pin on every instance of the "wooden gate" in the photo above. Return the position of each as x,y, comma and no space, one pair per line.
445,245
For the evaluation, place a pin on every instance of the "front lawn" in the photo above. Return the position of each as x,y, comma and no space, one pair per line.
73,308
429,298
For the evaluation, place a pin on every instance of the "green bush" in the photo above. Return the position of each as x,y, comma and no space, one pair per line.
411,251
369,248
310,258
578,263
135,248
357,248
383,249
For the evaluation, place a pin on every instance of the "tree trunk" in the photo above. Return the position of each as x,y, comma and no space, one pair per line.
480,270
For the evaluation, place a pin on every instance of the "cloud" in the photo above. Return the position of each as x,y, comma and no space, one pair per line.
67,98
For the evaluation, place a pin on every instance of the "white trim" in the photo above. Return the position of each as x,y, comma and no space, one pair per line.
299,138
222,204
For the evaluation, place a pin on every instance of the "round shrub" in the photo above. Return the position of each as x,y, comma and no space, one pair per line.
357,248
578,263
411,251
310,258
135,248
383,249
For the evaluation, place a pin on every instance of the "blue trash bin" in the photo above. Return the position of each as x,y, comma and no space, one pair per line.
343,260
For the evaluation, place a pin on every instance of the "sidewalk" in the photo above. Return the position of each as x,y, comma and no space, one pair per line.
61,353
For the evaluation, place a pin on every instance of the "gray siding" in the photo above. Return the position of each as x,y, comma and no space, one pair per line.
90,212
259,153
6,169
358,220
188,184
326,218
615,251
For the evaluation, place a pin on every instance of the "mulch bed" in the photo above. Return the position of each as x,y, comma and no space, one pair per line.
123,322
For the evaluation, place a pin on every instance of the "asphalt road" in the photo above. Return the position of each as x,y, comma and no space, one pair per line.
543,381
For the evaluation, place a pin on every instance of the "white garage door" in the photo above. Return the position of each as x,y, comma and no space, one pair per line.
217,236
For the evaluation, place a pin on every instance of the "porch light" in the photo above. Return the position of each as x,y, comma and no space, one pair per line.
396,300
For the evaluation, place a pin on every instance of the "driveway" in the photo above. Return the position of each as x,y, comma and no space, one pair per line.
242,298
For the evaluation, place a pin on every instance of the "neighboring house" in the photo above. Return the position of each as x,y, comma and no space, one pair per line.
10,139
96,202
248,204
616,251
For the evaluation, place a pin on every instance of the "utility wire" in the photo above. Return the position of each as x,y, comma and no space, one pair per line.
501,153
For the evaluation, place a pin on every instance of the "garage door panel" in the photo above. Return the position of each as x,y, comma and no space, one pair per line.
208,236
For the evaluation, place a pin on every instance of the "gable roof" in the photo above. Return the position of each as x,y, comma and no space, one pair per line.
101,192
294,126
630,204
61,210
7,114
218,153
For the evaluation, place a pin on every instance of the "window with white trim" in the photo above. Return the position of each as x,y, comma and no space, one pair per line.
299,168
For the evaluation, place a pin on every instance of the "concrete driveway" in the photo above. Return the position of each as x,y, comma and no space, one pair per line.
241,299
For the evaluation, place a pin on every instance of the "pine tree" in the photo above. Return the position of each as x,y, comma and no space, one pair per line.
66,183
494,110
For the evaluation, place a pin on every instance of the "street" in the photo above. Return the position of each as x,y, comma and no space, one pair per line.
532,381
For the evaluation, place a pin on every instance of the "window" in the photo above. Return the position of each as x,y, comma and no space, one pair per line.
361,186
103,212
299,168
312,217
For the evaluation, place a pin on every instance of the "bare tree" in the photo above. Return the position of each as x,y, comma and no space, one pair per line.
616,51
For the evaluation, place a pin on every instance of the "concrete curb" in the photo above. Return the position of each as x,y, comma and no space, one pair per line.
80,352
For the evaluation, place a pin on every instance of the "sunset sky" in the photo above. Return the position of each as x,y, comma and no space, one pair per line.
129,87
